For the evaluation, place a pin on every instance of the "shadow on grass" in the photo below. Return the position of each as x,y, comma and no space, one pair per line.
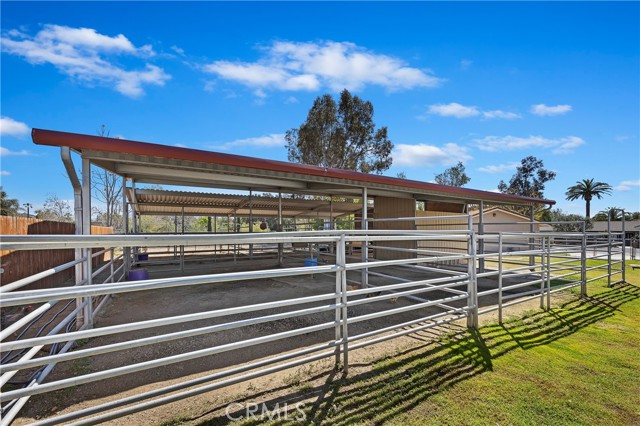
376,392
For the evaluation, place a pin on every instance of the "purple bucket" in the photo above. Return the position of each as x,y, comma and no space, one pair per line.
138,274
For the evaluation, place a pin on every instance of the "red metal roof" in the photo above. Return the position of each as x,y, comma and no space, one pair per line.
98,143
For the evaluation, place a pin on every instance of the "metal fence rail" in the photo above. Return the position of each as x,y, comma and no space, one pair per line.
436,286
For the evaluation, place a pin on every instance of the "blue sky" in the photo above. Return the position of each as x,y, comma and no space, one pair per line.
483,83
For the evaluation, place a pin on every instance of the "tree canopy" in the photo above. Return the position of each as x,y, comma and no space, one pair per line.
8,206
453,176
341,135
55,209
529,180
587,189
566,222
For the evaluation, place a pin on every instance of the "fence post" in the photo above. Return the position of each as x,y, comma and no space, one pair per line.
88,308
364,273
481,233
338,327
609,249
583,261
341,261
500,278
548,272
543,272
624,250
472,287
111,264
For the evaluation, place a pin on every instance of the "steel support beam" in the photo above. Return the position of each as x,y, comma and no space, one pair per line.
364,277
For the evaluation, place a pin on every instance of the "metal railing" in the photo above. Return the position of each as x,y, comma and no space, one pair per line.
345,313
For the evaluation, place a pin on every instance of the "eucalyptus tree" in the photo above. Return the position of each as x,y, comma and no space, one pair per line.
341,135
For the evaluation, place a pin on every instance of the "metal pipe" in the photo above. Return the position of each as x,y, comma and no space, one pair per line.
481,232
250,221
179,386
142,325
609,247
86,230
146,365
472,288
499,279
341,261
624,248
152,340
280,246
364,276
65,154
35,277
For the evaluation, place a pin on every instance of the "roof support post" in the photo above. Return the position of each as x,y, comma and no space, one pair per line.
250,221
280,246
481,233
134,219
215,225
332,223
532,229
182,247
125,225
65,154
133,209
86,196
364,278
86,230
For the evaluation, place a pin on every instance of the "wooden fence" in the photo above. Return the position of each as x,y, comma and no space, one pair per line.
19,264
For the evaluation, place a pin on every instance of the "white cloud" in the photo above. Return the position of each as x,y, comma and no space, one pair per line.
293,66
465,64
543,110
457,110
454,109
4,152
11,127
429,155
178,50
510,143
268,141
499,168
291,100
506,115
83,54
627,185
4,173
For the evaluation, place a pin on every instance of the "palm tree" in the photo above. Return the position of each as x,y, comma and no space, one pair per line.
587,189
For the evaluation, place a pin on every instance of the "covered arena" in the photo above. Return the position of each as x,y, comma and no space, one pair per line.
298,264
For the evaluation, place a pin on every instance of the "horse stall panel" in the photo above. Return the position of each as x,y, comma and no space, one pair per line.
21,264
390,208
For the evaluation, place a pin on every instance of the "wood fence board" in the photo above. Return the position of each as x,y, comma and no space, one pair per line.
20,264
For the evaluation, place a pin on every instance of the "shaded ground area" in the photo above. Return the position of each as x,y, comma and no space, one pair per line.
576,365
139,306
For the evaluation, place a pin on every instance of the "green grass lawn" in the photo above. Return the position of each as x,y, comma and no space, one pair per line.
578,364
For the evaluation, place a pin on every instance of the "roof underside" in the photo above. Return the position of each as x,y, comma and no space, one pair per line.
159,202
167,165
